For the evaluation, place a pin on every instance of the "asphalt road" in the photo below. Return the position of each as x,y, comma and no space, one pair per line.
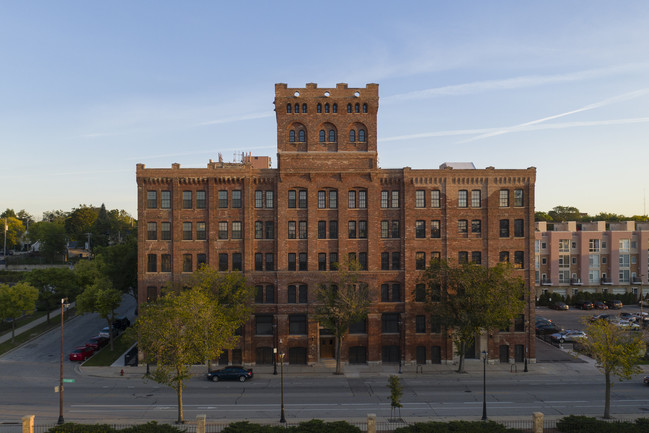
29,374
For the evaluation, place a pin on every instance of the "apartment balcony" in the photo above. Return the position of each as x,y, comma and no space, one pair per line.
546,282
636,280
606,281
576,282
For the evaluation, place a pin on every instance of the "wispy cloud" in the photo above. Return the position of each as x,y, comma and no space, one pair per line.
512,83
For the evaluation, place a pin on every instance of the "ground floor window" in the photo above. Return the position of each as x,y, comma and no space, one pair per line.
297,355
390,354
357,355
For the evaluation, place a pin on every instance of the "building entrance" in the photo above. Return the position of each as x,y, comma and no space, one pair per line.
327,347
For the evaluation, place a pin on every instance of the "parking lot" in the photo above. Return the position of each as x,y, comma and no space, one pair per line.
574,318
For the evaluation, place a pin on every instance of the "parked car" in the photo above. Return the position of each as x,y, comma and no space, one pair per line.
625,324
121,323
559,306
570,336
585,305
599,305
81,353
601,317
614,304
645,380
631,317
104,332
547,329
232,372
97,342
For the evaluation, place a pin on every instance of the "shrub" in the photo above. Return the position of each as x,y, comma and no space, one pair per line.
584,424
313,426
457,427
82,428
152,427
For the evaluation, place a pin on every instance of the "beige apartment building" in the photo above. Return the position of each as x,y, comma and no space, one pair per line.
596,257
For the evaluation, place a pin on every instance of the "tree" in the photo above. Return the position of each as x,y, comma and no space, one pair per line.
51,236
342,302
100,298
471,298
565,213
53,284
396,392
14,232
15,301
616,352
119,264
101,228
80,222
186,327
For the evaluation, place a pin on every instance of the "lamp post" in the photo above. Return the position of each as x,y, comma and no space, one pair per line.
400,324
282,418
484,385
275,349
61,421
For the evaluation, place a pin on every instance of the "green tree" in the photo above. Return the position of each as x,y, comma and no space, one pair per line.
471,298
119,264
616,352
565,213
55,216
51,236
342,302
14,232
80,223
103,299
53,284
101,228
87,272
396,392
542,216
15,301
189,326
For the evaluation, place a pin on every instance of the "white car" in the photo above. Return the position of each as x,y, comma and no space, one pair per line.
625,324
570,336
104,332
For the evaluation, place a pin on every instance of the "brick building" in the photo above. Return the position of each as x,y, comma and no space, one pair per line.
593,257
328,201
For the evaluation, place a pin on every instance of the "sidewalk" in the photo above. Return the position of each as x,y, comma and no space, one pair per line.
32,324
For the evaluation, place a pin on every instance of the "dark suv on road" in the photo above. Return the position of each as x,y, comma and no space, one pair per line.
613,304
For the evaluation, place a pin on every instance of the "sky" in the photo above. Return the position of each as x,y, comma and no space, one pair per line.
90,89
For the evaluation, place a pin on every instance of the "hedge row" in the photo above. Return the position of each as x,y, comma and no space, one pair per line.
150,427
584,424
457,427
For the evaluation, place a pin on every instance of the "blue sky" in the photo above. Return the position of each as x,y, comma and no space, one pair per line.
90,89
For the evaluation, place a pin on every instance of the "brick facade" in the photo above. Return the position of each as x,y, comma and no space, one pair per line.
327,200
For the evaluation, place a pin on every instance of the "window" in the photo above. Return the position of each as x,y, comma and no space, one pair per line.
165,202
384,199
291,230
236,230
420,324
288,108
303,263
201,259
187,199
259,199
352,136
420,198
333,199
319,108
390,323
504,198
322,261
362,137
236,262
270,230
364,108
395,229
362,229
334,108
519,228
270,199
223,262
362,260
504,257
301,136
362,199
302,230
436,293
476,227
236,198
187,263
518,197
259,230
291,136
435,231
297,324
322,229
165,231
351,202
504,228
270,261
385,229
200,200
326,107
187,231
264,325
391,292
292,261
519,323
151,263
475,198
476,257
519,259
420,260
420,229
333,229
593,245
357,108
435,324
292,195
333,261
297,293
359,327
396,260
297,108
304,108
463,257
223,199
349,108
385,261
420,292
152,199
462,227
165,266
322,199
462,198
395,199
624,245
152,231
223,230
302,199
259,262
323,136
332,136
201,233
435,198
351,229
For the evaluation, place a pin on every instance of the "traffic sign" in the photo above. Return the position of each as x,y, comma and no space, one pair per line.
68,380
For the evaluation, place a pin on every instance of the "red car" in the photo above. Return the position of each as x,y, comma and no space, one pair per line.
81,353
97,342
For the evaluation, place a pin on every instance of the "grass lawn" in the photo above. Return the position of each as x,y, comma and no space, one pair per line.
105,357
5,327
23,338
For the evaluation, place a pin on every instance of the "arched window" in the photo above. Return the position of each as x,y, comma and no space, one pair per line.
304,108
349,108
319,108
322,136
332,135
357,108
297,108
291,136
352,136
326,107
288,108
361,135
301,136
364,108
335,108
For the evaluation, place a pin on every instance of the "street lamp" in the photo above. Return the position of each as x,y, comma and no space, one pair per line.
400,324
484,385
275,349
282,418
61,421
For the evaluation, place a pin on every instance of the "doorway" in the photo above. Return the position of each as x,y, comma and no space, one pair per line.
327,347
